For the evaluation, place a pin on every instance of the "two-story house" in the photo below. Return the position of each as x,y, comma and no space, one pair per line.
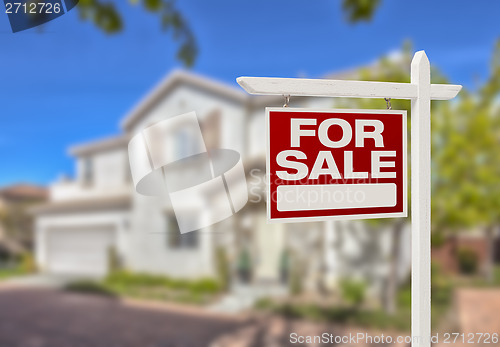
99,212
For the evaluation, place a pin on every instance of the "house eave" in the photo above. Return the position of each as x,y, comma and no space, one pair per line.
83,205
105,144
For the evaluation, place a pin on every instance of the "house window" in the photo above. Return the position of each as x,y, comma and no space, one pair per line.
88,171
175,239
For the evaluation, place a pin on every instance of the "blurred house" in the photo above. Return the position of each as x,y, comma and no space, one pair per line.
100,211
461,247
16,224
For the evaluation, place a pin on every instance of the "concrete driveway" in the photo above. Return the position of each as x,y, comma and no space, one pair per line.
32,317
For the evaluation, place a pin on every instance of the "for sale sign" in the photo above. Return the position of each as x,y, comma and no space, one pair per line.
335,164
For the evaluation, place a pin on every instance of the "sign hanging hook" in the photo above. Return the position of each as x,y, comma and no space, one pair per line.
388,103
287,100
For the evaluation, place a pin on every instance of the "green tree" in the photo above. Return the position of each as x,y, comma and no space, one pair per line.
106,16
360,10
393,70
467,188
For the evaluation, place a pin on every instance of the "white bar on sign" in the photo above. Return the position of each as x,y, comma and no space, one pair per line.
335,196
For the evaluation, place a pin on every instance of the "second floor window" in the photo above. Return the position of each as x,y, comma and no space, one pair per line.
88,171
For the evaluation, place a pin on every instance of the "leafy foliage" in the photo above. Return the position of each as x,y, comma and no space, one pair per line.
107,17
223,268
352,291
104,15
360,10
129,279
467,260
13,271
151,287
466,188
363,318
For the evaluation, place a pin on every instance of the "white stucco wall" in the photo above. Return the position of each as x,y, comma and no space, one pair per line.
150,250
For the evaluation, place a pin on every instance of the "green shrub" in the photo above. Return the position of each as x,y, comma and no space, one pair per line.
295,282
467,261
204,285
264,304
353,291
442,285
496,275
127,280
223,269
114,262
8,272
284,266
438,239
373,319
404,297
27,263
244,266
147,286
244,260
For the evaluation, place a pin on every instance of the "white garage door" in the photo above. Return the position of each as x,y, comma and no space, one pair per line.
79,251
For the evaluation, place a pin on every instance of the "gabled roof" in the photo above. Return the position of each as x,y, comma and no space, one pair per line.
23,191
107,143
172,80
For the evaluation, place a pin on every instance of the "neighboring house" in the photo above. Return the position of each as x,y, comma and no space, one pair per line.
100,209
16,224
447,254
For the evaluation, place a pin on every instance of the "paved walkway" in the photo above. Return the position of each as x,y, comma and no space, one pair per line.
479,310
279,332
51,318
476,311
243,297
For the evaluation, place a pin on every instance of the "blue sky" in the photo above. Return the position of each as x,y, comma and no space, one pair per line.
69,82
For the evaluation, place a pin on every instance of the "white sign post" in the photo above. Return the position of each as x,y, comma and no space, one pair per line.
420,91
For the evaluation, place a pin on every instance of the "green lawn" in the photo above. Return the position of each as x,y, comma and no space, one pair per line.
9,272
151,287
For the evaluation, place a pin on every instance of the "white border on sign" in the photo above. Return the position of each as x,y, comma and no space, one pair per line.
404,213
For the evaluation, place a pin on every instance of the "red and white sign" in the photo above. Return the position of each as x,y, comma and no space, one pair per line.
336,164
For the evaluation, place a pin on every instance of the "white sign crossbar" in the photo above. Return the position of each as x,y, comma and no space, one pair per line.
339,88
